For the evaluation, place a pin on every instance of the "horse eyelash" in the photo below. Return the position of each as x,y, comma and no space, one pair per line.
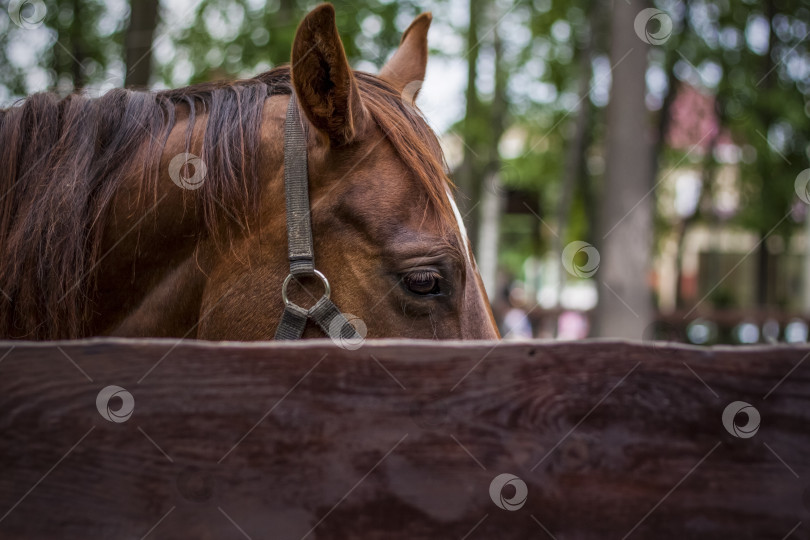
424,275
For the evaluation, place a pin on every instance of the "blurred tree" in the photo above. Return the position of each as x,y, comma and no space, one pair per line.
752,57
76,44
769,118
473,128
625,302
557,102
573,171
491,199
143,19
483,126
228,38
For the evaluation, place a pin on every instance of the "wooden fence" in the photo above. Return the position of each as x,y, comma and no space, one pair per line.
403,440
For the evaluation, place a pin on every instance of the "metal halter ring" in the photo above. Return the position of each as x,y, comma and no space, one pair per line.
326,288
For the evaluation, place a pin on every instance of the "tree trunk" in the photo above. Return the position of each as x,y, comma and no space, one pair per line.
465,177
492,199
143,18
625,300
708,172
573,170
806,266
762,270
76,45
763,166
69,53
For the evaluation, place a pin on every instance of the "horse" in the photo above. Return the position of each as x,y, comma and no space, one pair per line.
162,214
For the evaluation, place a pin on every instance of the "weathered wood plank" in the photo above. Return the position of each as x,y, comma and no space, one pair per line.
402,440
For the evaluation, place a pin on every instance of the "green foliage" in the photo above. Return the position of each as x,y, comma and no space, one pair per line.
754,58
76,45
227,38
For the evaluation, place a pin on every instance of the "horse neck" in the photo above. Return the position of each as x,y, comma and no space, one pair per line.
159,249
149,276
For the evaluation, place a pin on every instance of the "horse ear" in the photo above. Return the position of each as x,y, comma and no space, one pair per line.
406,69
323,79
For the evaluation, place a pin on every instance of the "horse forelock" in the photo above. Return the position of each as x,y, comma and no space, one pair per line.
419,149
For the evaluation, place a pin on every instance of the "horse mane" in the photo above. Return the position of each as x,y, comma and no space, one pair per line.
64,160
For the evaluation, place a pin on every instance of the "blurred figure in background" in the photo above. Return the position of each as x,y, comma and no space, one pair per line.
516,323
572,325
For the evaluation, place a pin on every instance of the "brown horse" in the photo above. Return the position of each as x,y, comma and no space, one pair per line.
162,213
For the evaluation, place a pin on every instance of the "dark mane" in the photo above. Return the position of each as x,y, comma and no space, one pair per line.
63,161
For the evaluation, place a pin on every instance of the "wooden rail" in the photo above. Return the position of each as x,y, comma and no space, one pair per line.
402,440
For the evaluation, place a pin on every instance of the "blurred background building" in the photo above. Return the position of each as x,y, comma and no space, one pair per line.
626,169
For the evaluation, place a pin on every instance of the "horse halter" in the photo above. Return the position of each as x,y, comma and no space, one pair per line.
299,237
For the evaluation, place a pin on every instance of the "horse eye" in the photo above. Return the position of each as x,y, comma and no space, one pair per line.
422,282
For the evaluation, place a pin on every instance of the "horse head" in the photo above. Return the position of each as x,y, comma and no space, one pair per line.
184,210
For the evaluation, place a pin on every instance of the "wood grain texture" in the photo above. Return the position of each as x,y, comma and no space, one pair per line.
401,440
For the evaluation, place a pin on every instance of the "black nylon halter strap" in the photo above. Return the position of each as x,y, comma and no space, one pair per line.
299,237
296,192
